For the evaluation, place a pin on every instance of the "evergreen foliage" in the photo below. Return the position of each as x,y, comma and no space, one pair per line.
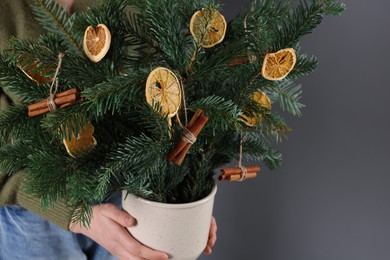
133,138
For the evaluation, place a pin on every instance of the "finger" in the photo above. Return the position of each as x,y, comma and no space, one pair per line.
208,250
136,248
213,233
130,257
116,249
120,216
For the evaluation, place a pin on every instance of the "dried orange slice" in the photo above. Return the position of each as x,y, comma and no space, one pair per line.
163,88
30,69
262,100
277,66
82,144
97,42
208,27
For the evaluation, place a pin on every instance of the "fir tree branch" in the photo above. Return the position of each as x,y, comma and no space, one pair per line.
255,149
81,191
261,20
15,123
67,121
223,114
136,163
304,66
173,43
77,72
273,126
109,97
331,7
140,48
14,157
287,95
303,20
55,19
17,82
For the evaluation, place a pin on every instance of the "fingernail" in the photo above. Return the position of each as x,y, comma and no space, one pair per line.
164,257
130,221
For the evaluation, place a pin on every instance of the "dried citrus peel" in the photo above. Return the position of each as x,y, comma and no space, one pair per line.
97,42
277,66
32,69
263,101
82,144
208,27
163,88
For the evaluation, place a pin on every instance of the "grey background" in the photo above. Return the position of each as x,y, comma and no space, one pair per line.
330,199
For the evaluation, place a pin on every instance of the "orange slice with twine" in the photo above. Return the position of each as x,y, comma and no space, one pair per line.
163,88
208,27
277,66
97,42
263,101
82,144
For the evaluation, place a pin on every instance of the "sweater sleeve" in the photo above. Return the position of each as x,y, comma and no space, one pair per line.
16,19
11,193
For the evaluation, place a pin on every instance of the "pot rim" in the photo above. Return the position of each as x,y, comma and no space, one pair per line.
173,205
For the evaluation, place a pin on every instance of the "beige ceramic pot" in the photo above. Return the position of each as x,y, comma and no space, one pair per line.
180,230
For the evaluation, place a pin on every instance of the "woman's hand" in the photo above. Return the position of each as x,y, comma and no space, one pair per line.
108,228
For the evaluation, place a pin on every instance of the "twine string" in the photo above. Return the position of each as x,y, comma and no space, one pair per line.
244,170
188,136
185,108
184,102
50,101
251,57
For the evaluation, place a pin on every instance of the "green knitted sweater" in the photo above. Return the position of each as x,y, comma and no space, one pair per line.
16,19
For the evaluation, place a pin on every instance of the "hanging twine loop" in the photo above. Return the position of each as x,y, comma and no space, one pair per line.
244,170
240,172
50,101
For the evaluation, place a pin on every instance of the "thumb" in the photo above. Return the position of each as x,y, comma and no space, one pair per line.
120,216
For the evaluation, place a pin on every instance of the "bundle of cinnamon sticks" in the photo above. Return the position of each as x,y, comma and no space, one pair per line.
243,59
193,128
236,174
61,100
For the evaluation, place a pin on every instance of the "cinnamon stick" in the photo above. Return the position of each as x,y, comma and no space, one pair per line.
38,112
195,117
242,60
181,144
71,103
237,170
61,100
68,92
234,174
237,177
195,130
195,126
